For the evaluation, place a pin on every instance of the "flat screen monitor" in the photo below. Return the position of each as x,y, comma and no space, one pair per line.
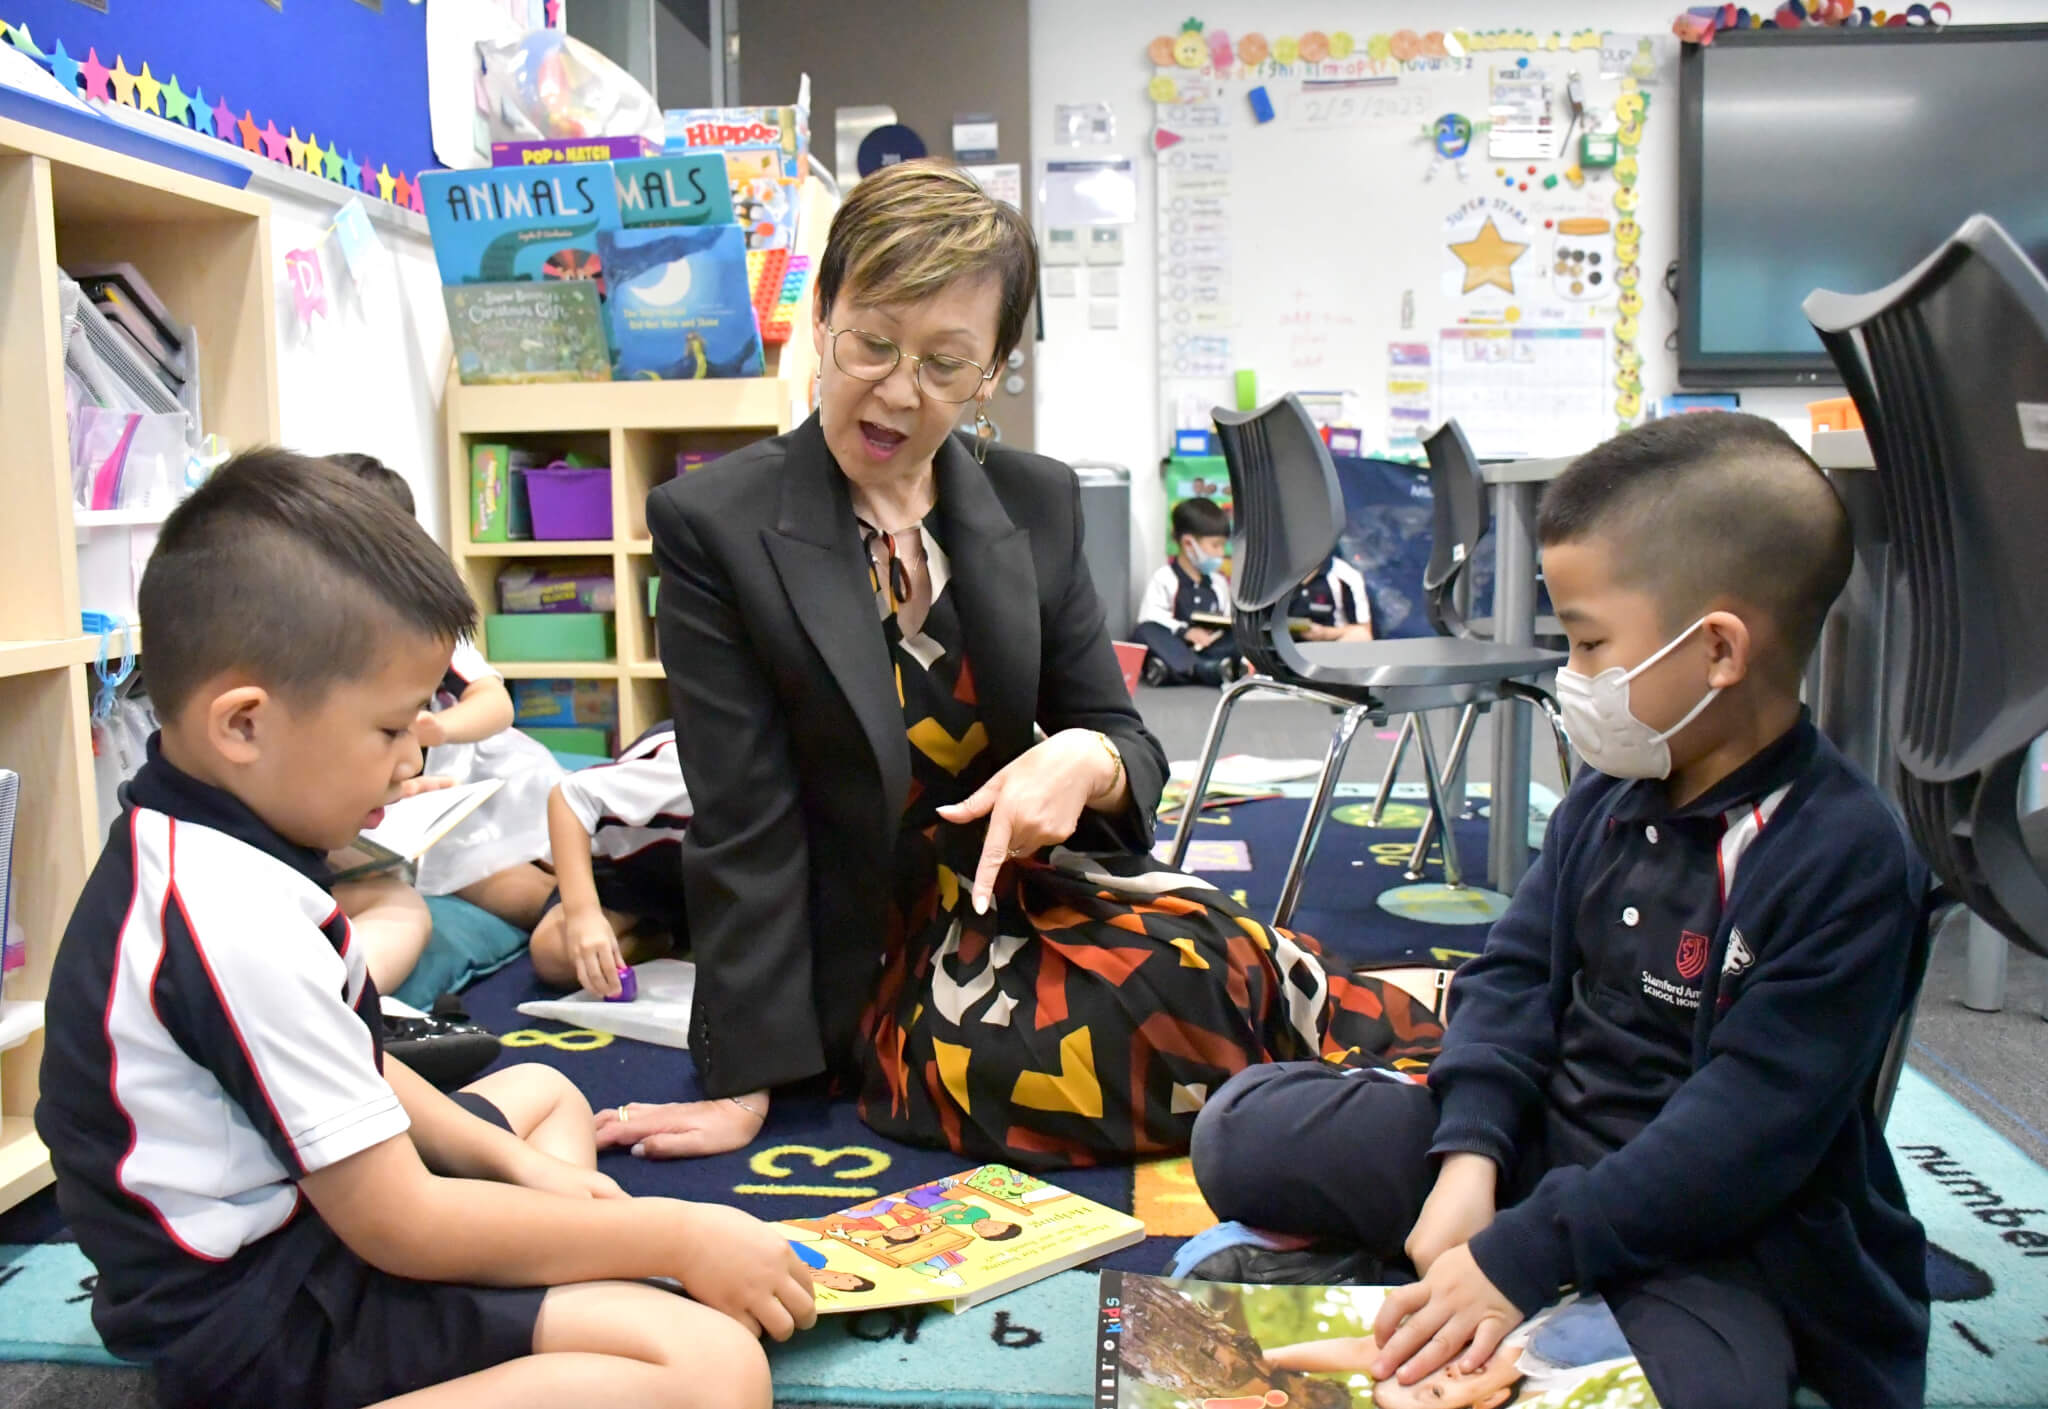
1839,159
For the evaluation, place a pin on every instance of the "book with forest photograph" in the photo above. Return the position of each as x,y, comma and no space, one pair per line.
1187,1344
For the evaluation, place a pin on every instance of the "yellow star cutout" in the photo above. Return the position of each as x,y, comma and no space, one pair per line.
386,182
1489,259
124,82
147,91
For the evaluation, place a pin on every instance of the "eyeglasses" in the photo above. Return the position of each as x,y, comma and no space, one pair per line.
872,358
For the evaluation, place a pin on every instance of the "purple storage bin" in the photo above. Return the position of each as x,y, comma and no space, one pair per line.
569,502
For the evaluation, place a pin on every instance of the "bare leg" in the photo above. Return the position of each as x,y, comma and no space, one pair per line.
552,961
617,1342
515,894
545,1110
393,923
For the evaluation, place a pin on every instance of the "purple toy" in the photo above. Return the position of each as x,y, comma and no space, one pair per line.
629,987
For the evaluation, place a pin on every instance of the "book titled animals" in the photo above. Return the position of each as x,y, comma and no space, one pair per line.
502,224
954,1242
1168,1344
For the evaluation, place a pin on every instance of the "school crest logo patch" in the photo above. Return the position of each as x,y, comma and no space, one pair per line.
1692,955
1739,956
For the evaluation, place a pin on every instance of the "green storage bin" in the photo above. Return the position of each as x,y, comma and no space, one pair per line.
549,636
589,743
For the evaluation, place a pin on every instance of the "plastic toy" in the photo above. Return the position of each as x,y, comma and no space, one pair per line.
1262,104
777,280
629,987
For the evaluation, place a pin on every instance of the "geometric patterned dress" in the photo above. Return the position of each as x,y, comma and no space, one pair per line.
1089,1014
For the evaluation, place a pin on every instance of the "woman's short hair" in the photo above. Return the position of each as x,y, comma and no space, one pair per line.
911,229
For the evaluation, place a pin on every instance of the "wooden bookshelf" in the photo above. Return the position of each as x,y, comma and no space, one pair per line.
205,248
637,428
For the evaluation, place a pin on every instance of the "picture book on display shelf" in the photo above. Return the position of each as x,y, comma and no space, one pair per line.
1187,1344
679,307
956,1242
506,334
594,270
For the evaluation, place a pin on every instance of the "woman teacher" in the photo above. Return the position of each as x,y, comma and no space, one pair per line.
866,622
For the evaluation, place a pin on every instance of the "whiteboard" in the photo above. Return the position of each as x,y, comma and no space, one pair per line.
1334,248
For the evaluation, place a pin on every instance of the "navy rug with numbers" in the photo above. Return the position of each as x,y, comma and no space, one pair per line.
1032,1349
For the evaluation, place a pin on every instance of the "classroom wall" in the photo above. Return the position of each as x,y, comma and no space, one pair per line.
368,375
1098,389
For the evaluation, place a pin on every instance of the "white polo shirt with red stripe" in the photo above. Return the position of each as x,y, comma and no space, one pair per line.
637,811
212,1039
1655,889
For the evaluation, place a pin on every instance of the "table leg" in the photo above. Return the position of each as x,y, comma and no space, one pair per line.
1514,623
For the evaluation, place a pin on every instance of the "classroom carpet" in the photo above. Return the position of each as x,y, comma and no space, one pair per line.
1980,1198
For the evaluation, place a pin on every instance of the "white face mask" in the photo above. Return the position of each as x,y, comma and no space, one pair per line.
1606,732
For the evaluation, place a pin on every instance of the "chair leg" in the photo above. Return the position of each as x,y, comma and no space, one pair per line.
1535,695
1454,769
1433,780
1379,801
1318,809
1191,810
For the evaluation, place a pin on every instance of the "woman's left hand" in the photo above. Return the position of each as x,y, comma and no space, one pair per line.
683,1128
1035,802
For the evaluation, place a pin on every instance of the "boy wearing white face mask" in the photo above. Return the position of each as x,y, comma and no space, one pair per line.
1184,619
1655,1080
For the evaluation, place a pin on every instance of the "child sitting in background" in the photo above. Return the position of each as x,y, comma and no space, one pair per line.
1331,604
1182,650
1656,1079
279,1212
618,833
467,731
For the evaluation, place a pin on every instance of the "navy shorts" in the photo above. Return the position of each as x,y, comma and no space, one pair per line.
663,912
353,1335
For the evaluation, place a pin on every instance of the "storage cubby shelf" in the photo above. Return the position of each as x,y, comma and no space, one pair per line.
645,425
205,249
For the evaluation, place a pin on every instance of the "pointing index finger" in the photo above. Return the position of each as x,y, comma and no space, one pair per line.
995,850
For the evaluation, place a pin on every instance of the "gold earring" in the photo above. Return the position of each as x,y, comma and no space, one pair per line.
985,434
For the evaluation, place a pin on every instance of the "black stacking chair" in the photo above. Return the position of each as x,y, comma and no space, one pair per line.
1289,513
1949,369
1460,518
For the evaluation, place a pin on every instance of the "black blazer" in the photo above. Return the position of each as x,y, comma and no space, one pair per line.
791,735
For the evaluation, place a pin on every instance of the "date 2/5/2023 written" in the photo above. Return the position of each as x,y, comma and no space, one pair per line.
1356,106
